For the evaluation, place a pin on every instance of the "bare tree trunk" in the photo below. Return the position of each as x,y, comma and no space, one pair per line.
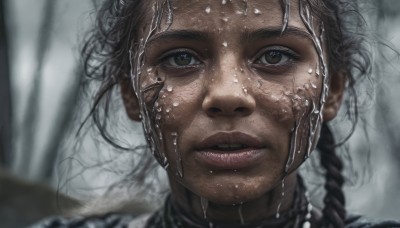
5,93
64,118
31,113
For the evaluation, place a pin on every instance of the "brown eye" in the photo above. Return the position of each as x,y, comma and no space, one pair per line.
277,56
182,59
273,57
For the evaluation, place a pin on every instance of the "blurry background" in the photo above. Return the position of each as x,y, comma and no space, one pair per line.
39,115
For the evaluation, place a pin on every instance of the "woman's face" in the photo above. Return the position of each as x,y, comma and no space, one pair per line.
235,88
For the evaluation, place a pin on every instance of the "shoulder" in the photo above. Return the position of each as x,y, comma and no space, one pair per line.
139,222
362,222
102,221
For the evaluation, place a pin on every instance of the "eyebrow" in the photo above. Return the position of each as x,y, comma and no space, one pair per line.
274,32
248,36
174,35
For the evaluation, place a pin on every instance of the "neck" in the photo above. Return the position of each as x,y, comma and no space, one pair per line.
268,206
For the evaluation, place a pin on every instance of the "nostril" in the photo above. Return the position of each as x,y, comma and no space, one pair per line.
214,110
240,109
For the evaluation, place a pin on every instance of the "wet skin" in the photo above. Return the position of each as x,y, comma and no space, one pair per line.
233,89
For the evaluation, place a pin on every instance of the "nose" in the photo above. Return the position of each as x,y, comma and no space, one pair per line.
227,96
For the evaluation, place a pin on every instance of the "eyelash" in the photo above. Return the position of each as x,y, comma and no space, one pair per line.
166,60
288,55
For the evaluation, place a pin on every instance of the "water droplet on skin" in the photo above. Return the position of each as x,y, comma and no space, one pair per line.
239,12
310,71
159,109
158,117
175,104
208,9
258,84
236,186
244,90
178,154
149,69
280,202
211,171
223,2
307,103
313,85
241,214
167,110
235,80
297,97
257,11
225,19
225,44
169,88
204,206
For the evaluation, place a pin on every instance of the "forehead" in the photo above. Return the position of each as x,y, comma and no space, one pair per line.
218,15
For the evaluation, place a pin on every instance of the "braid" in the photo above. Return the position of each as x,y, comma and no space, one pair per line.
334,212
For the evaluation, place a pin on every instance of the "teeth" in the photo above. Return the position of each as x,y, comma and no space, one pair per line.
229,146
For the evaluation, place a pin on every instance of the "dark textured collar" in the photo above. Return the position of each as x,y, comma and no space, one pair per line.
169,216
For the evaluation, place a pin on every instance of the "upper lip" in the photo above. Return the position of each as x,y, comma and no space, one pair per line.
229,138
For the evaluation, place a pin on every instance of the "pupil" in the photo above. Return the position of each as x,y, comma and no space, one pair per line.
183,59
273,57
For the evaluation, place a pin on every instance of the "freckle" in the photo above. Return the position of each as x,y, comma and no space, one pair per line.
225,44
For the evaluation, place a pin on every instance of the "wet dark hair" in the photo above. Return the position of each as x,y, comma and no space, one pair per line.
106,59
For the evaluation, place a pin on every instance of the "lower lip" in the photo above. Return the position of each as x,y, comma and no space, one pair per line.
231,160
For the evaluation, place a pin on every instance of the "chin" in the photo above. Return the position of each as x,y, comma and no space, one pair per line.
231,191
